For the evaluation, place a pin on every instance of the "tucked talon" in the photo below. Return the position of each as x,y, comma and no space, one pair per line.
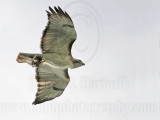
36,61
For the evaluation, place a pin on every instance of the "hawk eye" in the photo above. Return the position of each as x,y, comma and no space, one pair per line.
79,61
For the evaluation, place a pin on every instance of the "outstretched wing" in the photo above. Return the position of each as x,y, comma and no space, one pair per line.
51,82
59,34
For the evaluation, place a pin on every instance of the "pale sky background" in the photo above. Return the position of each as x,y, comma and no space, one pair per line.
119,40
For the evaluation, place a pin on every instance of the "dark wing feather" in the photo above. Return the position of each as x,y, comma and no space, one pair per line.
53,12
51,82
59,33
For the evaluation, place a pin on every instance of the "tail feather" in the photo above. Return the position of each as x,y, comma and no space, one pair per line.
26,58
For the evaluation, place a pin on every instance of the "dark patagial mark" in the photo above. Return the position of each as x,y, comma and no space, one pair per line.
59,89
68,26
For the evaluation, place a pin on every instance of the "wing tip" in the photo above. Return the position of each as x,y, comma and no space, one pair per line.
58,11
48,13
34,103
67,15
52,11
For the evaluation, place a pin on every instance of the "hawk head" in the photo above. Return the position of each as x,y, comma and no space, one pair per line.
78,63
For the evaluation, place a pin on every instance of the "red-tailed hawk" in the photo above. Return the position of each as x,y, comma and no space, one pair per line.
52,65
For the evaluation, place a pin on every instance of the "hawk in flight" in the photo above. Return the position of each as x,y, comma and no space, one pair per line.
52,65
